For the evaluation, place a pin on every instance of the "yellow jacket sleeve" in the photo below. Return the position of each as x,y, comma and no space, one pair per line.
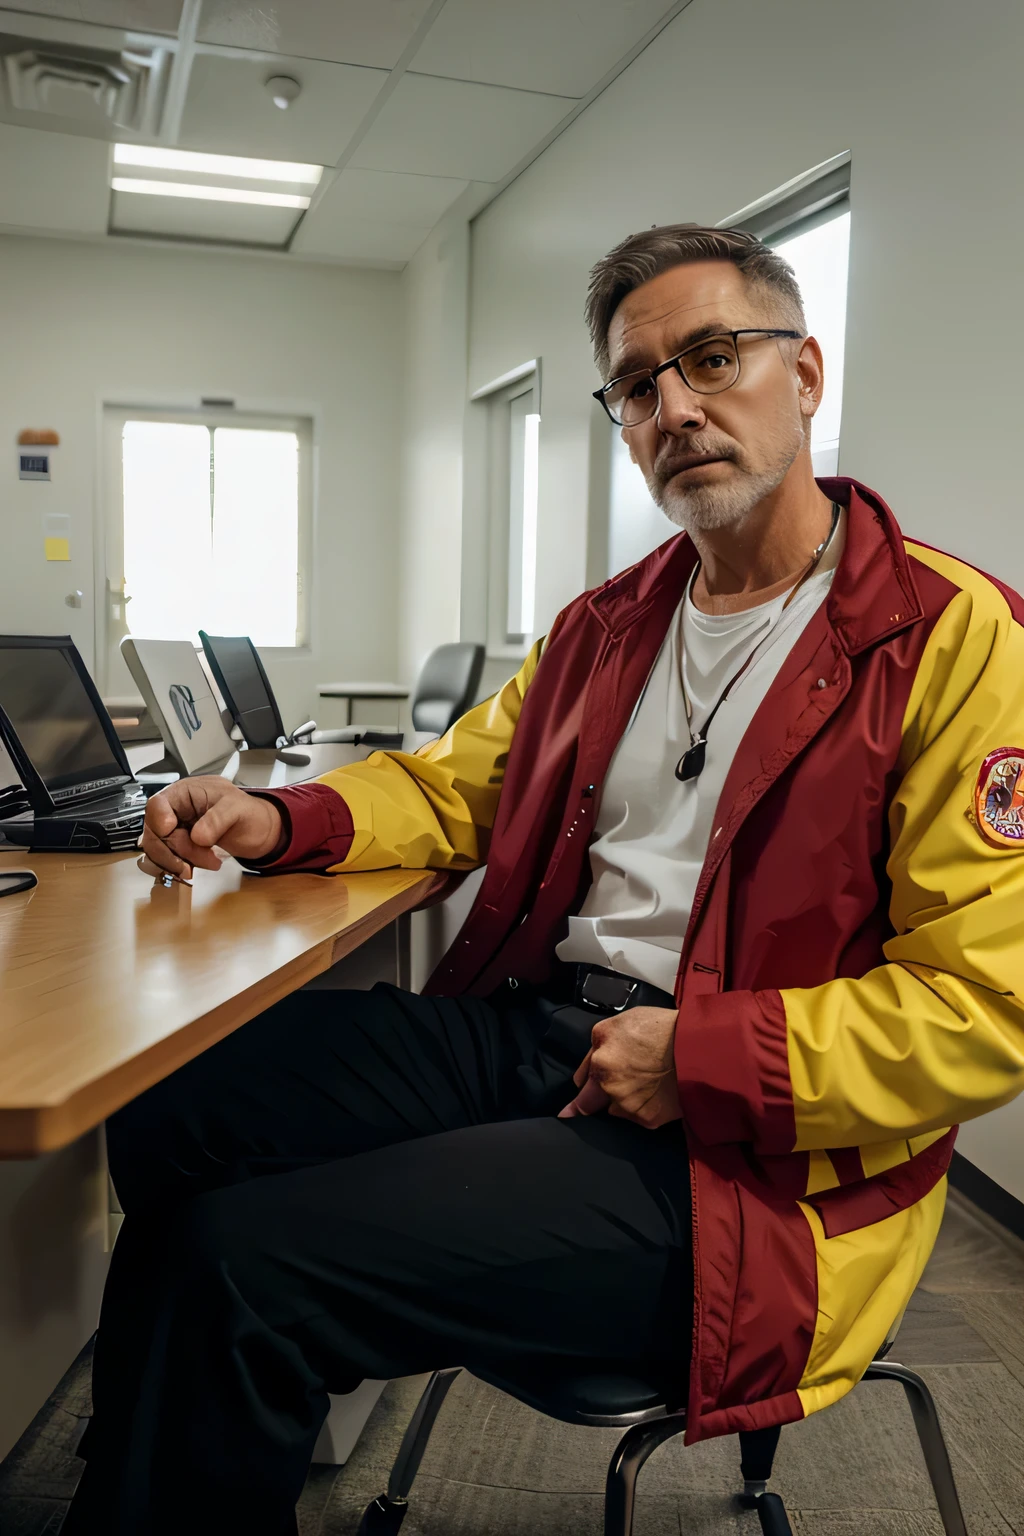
434,809
936,1035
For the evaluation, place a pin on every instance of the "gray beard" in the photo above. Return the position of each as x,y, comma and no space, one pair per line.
705,508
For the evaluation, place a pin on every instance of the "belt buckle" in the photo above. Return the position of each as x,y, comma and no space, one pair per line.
604,992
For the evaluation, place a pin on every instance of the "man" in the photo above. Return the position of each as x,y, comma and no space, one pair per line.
759,794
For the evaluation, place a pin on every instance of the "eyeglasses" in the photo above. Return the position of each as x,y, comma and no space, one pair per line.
707,368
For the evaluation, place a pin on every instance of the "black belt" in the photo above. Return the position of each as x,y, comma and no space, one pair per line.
604,991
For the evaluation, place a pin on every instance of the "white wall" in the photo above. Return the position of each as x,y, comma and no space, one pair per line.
733,99
434,288
82,323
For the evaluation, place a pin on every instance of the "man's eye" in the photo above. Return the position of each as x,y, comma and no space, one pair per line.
642,388
715,360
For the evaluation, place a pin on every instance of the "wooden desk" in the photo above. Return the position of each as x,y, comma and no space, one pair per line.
109,982
262,768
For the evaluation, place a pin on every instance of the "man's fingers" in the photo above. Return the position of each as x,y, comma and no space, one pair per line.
590,1100
161,817
582,1072
157,859
216,821
182,844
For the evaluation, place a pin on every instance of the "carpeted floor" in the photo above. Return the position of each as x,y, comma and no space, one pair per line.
495,1468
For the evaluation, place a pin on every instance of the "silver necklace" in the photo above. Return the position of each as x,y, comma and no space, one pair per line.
691,764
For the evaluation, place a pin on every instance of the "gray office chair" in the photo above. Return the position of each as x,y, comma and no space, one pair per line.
446,686
634,1405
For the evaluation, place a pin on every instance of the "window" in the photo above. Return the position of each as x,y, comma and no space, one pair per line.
523,447
208,526
819,256
808,222
513,411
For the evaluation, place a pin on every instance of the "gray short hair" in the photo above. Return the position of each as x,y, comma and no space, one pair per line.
640,257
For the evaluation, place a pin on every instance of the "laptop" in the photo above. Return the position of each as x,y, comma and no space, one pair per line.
80,792
180,700
245,688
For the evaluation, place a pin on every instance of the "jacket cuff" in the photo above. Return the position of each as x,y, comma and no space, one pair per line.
732,1066
317,829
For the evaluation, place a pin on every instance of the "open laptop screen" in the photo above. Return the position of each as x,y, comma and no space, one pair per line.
43,695
180,700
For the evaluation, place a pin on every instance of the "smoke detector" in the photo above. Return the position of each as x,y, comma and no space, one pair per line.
284,89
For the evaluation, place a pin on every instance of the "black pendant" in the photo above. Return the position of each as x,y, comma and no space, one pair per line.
691,764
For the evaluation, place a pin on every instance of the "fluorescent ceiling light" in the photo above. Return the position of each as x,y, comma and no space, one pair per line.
210,194
216,165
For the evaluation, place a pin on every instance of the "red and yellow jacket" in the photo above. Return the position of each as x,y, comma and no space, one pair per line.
851,985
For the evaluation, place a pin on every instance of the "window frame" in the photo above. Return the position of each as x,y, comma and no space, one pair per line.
799,206
494,402
804,198
114,417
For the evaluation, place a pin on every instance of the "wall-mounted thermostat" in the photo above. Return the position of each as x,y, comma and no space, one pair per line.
35,451
33,466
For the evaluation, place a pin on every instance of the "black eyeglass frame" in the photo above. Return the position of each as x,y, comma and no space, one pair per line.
676,363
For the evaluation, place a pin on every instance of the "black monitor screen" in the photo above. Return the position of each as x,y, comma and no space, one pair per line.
246,695
53,716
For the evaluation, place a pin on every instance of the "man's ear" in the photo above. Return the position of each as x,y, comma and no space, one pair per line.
810,372
629,445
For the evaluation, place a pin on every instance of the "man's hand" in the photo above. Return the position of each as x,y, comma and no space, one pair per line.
630,1069
185,821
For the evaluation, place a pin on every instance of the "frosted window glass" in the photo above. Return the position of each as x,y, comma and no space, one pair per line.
255,534
820,259
167,547
211,544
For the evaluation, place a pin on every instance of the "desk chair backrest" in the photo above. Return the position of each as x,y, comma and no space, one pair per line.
446,686
244,687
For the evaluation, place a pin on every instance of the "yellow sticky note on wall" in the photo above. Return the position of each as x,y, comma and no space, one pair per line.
57,549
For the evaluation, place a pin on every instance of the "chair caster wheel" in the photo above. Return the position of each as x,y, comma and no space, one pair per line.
382,1517
772,1514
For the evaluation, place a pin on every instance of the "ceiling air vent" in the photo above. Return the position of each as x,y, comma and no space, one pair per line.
99,90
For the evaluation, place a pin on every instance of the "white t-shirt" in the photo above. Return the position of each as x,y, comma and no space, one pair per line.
652,831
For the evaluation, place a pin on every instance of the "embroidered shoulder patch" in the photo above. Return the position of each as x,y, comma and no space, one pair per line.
999,798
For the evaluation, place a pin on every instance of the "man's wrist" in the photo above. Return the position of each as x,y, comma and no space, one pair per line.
279,834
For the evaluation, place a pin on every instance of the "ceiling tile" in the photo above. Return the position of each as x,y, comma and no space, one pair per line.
139,15
359,239
452,128
344,31
53,181
387,196
185,218
228,109
538,45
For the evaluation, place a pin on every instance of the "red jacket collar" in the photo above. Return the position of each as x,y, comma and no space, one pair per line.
873,594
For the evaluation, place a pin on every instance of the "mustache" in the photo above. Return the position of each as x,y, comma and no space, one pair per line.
680,454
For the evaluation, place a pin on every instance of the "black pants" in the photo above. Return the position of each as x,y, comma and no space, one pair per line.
361,1184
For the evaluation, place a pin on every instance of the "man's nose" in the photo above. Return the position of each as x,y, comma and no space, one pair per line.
679,408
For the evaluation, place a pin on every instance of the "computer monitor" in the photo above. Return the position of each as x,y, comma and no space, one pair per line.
181,702
245,687
60,734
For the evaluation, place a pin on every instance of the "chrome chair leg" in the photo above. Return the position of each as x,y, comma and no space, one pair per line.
387,1511
624,1468
929,1433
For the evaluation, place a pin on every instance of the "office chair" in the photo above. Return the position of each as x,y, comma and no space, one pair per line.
446,686
632,1404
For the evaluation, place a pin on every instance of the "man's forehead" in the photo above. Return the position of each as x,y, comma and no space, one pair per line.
679,300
